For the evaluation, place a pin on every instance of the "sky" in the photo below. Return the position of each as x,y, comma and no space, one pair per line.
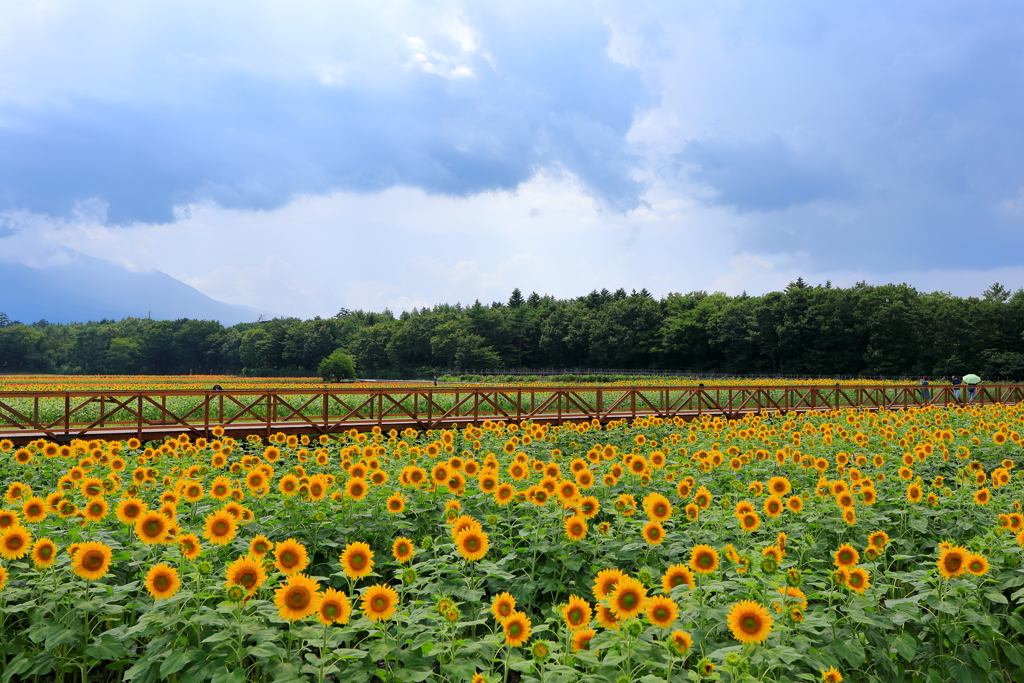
304,156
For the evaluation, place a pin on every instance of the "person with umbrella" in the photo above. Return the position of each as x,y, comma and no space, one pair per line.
972,385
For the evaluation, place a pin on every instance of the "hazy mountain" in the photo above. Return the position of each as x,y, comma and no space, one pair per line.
85,288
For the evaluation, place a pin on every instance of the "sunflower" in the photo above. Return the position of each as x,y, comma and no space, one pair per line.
334,608
703,559
34,509
749,621
589,507
780,486
831,675
878,539
577,613
846,556
680,642
662,611
290,557
677,575
356,488
297,598
15,542
953,561
654,533
220,527
503,606
129,510
795,503
858,579
189,546
403,550
628,598
977,564
9,518
914,493
44,553
517,629
162,581
581,639
575,528
472,544
92,560
3,578
379,602
773,506
246,572
260,545
396,503
357,560
982,496
657,507
504,494
605,582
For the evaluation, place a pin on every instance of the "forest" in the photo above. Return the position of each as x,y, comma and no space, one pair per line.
889,330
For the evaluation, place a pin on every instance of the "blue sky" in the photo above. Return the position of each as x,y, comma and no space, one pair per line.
304,156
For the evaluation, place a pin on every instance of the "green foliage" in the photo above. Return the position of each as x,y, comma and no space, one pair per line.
337,367
891,330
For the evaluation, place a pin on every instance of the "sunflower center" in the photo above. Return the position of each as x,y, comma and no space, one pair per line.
750,624
161,582
92,561
15,542
358,561
575,615
298,597
246,578
472,544
629,600
288,558
515,630
379,603
220,528
331,610
704,561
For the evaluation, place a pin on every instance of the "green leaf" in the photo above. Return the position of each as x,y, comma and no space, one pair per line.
175,662
906,646
962,672
997,597
852,651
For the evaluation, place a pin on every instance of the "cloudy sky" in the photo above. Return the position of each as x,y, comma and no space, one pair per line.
302,156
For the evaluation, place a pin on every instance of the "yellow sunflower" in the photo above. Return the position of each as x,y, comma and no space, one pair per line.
220,527
403,550
952,561
654,533
846,556
749,621
297,598
472,544
246,572
703,559
162,581
503,606
581,639
605,582
357,560
677,575
577,613
517,629
44,553
628,598
662,611
575,527
334,608
379,602
290,557
92,560
15,542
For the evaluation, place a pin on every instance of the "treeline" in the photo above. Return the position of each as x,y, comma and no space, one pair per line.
891,330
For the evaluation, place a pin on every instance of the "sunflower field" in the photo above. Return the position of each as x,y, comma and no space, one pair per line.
834,546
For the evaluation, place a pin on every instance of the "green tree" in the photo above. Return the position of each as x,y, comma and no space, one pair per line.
337,367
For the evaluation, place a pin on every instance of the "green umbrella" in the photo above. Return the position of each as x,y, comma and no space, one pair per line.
971,379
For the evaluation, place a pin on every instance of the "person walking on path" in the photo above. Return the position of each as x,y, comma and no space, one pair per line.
971,381
926,394
956,382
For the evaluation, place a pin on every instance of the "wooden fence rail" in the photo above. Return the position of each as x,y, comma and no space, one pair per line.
63,416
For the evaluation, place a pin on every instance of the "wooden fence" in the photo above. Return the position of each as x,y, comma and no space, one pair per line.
63,416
